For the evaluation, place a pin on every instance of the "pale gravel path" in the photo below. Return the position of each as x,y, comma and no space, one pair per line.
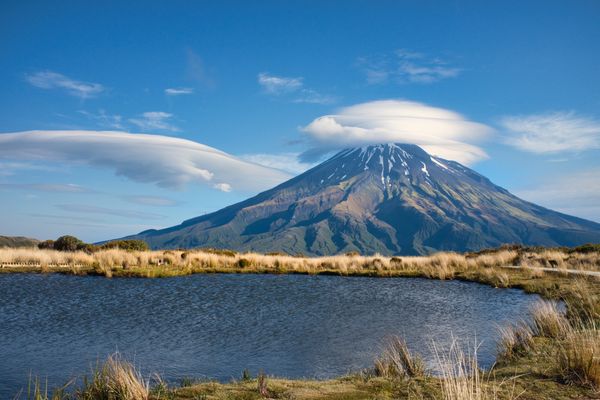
557,270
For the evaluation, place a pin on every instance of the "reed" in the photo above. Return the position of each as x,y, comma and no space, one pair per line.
462,379
578,357
398,361
548,321
516,340
116,379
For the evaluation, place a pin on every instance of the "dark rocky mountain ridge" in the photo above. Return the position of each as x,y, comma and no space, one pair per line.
388,199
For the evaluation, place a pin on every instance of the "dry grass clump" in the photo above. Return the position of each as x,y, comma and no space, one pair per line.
462,379
398,361
497,259
583,303
578,357
516,340
116,379
35,256
484,266
548,320
561,259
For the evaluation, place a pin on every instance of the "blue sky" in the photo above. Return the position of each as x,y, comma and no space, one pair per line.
280,84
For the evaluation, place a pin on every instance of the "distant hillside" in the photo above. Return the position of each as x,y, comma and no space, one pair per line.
388,199
17,241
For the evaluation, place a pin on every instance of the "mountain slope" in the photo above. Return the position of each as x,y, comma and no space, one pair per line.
391,199
17,241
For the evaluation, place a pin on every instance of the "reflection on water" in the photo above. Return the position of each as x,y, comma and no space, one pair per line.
217,325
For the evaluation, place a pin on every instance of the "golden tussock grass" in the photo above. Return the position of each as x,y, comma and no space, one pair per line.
516,340
114,379
558,259
398,361
462,379
548,321
179,262
578,357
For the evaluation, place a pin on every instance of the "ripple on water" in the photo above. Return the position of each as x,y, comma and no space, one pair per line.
57,326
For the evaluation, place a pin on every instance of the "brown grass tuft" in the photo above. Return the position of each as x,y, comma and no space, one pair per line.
116,379
578,357
398,361
515,341
462,379
548,320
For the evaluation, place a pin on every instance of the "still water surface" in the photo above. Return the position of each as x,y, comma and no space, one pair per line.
215,326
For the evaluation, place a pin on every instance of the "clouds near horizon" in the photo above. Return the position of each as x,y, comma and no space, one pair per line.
439,131
162,160
576,193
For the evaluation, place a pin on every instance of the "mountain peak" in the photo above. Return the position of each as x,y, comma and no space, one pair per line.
390,163
388,198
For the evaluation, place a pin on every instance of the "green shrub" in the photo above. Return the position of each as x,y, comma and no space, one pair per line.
244,263
220,252
46,244
68,243
128,244
586,248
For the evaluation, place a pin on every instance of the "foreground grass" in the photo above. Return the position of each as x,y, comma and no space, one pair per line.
534,376
554,356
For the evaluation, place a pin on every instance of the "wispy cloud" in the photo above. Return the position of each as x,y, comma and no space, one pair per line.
158,201
293,88
154,120
223,187
104,120
576,193
165,161
313,97
89,209
54,80
64,218
288,162
178,91
552,132
278,84
47,187
9,168
441,132
405,66
197,70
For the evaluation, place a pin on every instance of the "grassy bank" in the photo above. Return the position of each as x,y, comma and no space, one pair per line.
118,262
554,356
484,267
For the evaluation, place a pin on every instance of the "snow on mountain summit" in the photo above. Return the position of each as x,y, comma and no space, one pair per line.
389,199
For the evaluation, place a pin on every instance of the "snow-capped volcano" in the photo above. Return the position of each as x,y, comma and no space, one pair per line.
390,199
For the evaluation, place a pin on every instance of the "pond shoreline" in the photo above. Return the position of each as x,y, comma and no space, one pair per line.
580,294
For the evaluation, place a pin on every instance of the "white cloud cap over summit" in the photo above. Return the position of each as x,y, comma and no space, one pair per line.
162,160
438,131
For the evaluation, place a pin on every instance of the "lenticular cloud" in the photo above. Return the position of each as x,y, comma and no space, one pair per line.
440,132
161,160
